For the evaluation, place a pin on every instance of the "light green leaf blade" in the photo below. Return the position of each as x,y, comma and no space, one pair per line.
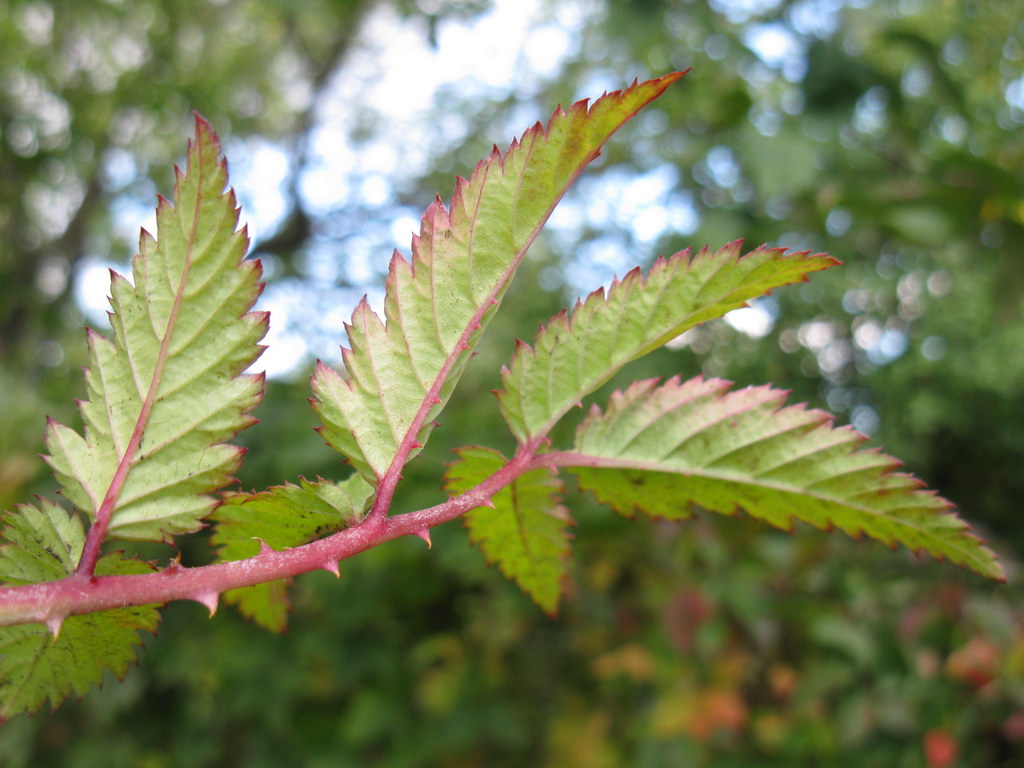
526,532
40,544
43,544
165,393
663,449
574,356
283,516
400,374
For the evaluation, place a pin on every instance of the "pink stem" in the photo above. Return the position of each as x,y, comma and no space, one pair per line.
51,601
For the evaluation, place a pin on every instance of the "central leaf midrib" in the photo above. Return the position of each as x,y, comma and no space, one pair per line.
602,462
145,412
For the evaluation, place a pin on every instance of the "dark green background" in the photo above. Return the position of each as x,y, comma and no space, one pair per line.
718,642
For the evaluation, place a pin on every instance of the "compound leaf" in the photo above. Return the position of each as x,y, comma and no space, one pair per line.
42,544
574,356
281,517
526,532
165,392
402,372
665,449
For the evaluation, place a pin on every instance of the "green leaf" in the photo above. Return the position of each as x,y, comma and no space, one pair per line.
664,449
574,356
400,374
281,517
44,544
40,544
165,392
526,532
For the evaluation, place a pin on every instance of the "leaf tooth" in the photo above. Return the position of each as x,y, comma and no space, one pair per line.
260,317
398,262
92,337
146,240
462,183
660,262
364,316
209,598
435,218
703,253
322,371
163,205
731,250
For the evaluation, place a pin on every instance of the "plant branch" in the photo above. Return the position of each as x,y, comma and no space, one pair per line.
50,602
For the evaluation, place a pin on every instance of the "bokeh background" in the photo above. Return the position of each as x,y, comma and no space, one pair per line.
887,132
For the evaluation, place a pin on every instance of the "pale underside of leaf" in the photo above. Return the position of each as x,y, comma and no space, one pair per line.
166,393
282,517
402,372
574,356
40,544
526,532
665,449
45,543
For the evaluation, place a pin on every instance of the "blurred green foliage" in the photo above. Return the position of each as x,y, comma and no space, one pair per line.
888,133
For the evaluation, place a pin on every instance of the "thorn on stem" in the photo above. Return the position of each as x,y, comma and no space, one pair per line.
264,547
424,533
209,599
331,566
53,625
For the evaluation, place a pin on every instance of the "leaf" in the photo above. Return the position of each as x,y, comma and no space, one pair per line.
44,544
664,449
40,544
574,356
165,392
283,516
400,374
526,532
